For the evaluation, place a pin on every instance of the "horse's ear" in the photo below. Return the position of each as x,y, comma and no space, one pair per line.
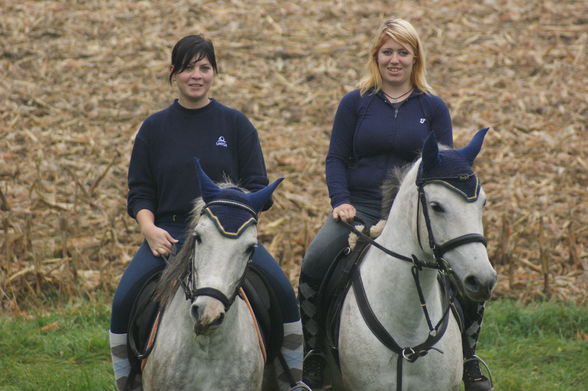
261,197
208,188
430,152
470,151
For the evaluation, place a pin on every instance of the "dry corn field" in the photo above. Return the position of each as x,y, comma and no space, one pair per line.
78,77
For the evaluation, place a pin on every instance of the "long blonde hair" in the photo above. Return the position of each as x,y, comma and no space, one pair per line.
404,33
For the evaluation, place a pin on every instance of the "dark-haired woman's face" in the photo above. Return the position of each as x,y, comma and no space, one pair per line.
194,82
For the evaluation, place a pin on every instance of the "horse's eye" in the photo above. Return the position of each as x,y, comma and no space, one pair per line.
251,249
437,207
197,238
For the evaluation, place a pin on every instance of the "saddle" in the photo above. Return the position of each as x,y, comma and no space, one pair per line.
333,290
145,313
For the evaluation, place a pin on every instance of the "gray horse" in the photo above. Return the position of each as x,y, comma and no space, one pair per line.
396,332
210,342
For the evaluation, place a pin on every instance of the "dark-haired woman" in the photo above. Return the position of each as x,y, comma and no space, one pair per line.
162,186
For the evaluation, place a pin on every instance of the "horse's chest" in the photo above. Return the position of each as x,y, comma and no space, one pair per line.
223,360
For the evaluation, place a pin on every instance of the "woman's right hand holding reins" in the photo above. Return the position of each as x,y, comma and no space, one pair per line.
345,212
159,240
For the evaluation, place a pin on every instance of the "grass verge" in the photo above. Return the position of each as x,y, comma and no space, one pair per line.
542,346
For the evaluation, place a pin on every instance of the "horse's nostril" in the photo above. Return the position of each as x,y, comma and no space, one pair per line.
219,320
472,283
194,312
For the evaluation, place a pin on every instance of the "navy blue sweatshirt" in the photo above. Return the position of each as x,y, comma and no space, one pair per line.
162,177
371,136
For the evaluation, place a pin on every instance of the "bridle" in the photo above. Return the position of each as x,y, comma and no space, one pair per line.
187,280
440,249
412,353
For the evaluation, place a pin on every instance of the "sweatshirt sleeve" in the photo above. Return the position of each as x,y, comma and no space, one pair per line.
252,171
441,123
142,187
341,149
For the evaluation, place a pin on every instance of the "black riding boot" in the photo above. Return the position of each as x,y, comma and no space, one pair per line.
473,378
314,363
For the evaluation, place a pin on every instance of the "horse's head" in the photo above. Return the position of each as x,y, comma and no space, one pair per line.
224,238
452,201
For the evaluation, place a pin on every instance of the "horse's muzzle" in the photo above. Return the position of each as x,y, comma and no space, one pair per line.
479,289
206,319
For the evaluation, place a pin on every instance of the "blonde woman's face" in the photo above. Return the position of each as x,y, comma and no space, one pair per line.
395,63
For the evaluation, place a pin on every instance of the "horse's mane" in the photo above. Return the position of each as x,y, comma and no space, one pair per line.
391,186
178,262
392,183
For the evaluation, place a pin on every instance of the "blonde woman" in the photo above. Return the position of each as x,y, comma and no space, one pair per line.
379,126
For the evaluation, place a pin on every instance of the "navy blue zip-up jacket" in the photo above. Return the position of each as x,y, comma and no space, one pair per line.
162,177
371,136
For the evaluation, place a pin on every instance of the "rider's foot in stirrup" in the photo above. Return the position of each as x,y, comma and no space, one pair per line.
473,379
300,386
312,370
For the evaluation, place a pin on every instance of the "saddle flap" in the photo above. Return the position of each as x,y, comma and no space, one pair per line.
143,314
334,287
266,308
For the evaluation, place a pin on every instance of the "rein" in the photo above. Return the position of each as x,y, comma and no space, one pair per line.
412,259
411,354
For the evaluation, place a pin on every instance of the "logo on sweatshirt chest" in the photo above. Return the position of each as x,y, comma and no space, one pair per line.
221,142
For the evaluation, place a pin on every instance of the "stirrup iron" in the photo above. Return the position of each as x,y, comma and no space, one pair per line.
477,358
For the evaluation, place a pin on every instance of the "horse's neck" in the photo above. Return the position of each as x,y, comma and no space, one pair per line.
389,282
391,286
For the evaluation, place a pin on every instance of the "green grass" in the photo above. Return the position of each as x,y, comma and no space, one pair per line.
72,354
536,347
531,347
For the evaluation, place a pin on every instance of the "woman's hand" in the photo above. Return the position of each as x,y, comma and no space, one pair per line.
345,212
159,240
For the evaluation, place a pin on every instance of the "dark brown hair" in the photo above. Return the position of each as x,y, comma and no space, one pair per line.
188,48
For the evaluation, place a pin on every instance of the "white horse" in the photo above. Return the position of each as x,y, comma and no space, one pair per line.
207,338
434,228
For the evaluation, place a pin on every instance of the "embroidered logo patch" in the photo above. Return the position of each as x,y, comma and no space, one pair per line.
423,120
221,142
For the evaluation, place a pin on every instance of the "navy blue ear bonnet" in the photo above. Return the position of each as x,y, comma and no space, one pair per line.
231,209
231,212
452,168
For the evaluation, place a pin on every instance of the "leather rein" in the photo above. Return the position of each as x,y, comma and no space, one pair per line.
412,353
